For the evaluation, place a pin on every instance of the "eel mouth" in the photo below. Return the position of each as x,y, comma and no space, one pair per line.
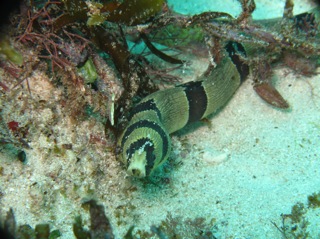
137,166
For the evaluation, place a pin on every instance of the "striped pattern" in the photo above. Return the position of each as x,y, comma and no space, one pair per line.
197,100
145,143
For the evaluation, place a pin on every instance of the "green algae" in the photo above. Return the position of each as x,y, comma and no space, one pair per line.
297,212
100,226
41,231
78,230
10,52
88,71
296,225
26,232
314,200
170,227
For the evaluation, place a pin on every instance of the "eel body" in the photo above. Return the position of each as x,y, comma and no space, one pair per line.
145,142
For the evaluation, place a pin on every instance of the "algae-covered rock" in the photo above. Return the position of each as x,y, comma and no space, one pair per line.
9,52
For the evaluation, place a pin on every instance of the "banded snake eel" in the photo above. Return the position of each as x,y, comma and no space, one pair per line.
145,142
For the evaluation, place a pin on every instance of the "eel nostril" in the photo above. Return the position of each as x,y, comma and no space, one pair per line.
135,172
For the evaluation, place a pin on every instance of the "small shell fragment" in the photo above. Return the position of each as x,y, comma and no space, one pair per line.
212,158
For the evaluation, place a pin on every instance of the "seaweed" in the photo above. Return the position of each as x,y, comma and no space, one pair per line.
13,134
176,227
78,230
293,39
100,227
171,227
75,10
159,53
78,12
133,12
41,231
314,200
67,34
296,225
